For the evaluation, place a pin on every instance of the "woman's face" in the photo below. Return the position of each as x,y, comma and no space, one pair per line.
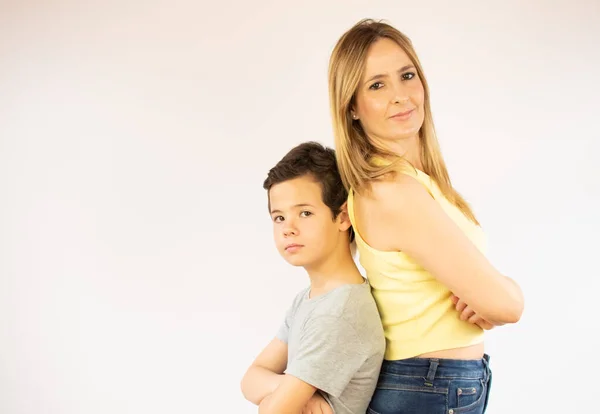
389,98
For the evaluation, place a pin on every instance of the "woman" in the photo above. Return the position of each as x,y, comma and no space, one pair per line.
418,240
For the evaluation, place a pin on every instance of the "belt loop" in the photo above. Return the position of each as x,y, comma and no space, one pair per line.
433,364
486,364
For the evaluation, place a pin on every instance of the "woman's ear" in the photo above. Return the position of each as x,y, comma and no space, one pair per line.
343,218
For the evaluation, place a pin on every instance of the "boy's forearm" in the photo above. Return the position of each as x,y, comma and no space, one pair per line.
258,383
264,406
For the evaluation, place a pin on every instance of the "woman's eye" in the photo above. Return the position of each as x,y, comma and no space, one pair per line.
376,85
305,214
278,219
408,75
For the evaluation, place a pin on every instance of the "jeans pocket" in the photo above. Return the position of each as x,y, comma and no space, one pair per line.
467,396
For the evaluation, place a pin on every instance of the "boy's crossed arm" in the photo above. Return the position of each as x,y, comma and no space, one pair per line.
265,385
266,372
293,396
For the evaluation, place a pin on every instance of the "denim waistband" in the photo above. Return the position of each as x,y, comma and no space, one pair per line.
431,368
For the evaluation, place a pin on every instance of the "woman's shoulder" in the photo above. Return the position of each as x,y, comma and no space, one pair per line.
391,210
397,191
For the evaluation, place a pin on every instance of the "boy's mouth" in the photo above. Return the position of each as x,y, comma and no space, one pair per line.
293,247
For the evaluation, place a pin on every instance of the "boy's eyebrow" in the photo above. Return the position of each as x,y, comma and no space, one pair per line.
295,206
402,69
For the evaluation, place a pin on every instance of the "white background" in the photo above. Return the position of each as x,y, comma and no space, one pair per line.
137,268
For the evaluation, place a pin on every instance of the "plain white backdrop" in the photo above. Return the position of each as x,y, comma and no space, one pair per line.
137,268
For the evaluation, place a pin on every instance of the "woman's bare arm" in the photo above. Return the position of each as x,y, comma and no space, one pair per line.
403,216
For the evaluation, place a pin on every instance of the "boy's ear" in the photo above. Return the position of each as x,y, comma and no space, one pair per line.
343,218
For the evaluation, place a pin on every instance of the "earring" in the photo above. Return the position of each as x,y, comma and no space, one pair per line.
354,116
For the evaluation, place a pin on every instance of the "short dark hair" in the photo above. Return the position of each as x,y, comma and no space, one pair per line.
319,162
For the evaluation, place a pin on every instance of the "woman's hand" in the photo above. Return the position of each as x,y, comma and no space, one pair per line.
469,315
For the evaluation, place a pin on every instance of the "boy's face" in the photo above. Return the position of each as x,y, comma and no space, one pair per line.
303,226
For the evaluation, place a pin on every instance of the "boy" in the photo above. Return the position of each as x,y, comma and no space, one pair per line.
328,352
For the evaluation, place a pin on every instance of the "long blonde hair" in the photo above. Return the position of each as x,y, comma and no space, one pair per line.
354,149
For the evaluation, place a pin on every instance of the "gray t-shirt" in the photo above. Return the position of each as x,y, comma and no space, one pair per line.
336,344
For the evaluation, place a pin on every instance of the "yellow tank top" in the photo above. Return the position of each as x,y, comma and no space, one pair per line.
416,310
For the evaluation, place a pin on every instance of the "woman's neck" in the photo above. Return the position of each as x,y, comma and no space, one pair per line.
407,148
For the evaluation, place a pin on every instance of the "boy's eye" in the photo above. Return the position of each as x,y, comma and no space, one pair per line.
408,75
376,85
305,214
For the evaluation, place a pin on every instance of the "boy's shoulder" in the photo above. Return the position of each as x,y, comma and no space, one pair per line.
347,316
300,297
351,302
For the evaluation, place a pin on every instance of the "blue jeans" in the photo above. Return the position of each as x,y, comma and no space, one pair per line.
432,386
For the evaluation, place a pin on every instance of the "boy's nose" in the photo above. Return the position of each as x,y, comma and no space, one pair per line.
289,231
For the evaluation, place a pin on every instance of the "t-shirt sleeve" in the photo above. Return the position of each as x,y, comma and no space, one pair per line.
329,354
283,332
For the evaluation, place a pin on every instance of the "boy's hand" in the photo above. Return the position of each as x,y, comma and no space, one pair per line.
469,315
317,405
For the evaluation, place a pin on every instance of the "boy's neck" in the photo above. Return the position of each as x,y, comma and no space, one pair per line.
336,270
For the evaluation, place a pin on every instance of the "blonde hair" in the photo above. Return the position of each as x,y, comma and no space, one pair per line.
353,148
